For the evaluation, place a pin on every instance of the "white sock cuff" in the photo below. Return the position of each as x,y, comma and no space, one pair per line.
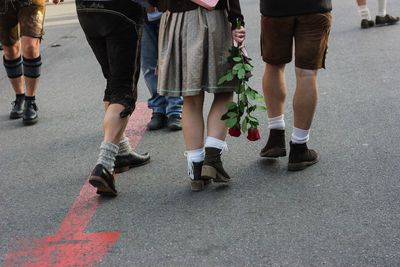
364,12
381,8
277,122
196,155
214,142
109,146
300,136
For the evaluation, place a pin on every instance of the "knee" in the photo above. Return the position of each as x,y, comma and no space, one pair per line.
275,68
193,102
305,74
11,52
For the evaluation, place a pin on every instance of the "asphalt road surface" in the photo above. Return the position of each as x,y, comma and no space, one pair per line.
343,211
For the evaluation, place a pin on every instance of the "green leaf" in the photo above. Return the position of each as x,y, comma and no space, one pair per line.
232,114
238,66
252,119
261,108
224,117
222,80
231,122
237,59
244,125
248,67
230,105
241,74
229,76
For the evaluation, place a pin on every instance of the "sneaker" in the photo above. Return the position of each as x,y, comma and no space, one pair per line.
365,24
275,146
17,109
212,166
158,121
174,123
197,183
124,163
30,112
386,20
300,157
103,180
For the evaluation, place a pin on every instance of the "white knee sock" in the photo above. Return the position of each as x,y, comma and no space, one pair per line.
124,147
381,8
364,12
214,142
108,151
193,156
300,136
277,122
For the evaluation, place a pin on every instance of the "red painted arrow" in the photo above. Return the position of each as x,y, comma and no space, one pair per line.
70,246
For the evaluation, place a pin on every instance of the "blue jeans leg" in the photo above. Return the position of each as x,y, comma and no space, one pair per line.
174,106
149,62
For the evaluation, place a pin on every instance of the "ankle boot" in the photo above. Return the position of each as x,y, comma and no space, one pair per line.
300,157
198,183
275,146
17,109
212,166
30,112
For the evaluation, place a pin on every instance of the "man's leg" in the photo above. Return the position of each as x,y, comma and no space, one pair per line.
174,112
382,18
13,64
274,89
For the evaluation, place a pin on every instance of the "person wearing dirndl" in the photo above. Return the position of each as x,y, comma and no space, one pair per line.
194,44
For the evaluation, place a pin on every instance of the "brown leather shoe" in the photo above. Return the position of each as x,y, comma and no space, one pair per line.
198,184
275,146
212,166
300,157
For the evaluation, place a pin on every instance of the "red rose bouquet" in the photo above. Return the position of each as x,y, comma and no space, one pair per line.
238,116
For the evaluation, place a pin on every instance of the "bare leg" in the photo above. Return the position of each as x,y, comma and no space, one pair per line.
10,53
361,2
193,121
30,50
114,125
305,98
215,126
274,88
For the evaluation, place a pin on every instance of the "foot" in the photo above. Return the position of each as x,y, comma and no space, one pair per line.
30,112
212,166
174,123
197,183
365,24
386,20
17,109
275,146
300,157
132,160
158,121
103,180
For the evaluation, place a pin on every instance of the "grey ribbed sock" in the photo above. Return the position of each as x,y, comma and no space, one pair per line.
124,146
108,151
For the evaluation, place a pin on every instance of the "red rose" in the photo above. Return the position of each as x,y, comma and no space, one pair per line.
235,131
253,134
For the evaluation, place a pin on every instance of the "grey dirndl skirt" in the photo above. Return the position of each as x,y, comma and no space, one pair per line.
193,50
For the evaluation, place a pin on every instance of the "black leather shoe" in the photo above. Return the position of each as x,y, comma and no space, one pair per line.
17,109
365,24
103,180
124,163
30,112
386,20
174,123
158,121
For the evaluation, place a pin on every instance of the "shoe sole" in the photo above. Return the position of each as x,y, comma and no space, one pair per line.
276,154
174,128
30,122
301,165
14,117
209,172
127,168
102,186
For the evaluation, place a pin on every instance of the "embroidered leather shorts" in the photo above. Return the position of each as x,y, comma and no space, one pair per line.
20,18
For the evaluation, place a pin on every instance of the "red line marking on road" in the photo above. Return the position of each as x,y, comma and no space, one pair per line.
70,246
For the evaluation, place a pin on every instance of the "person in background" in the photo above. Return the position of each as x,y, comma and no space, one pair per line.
381,19
167,110
113,30
21,26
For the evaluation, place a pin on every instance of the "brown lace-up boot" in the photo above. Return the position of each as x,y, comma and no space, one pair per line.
212,166
275,146
300,157
198,184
